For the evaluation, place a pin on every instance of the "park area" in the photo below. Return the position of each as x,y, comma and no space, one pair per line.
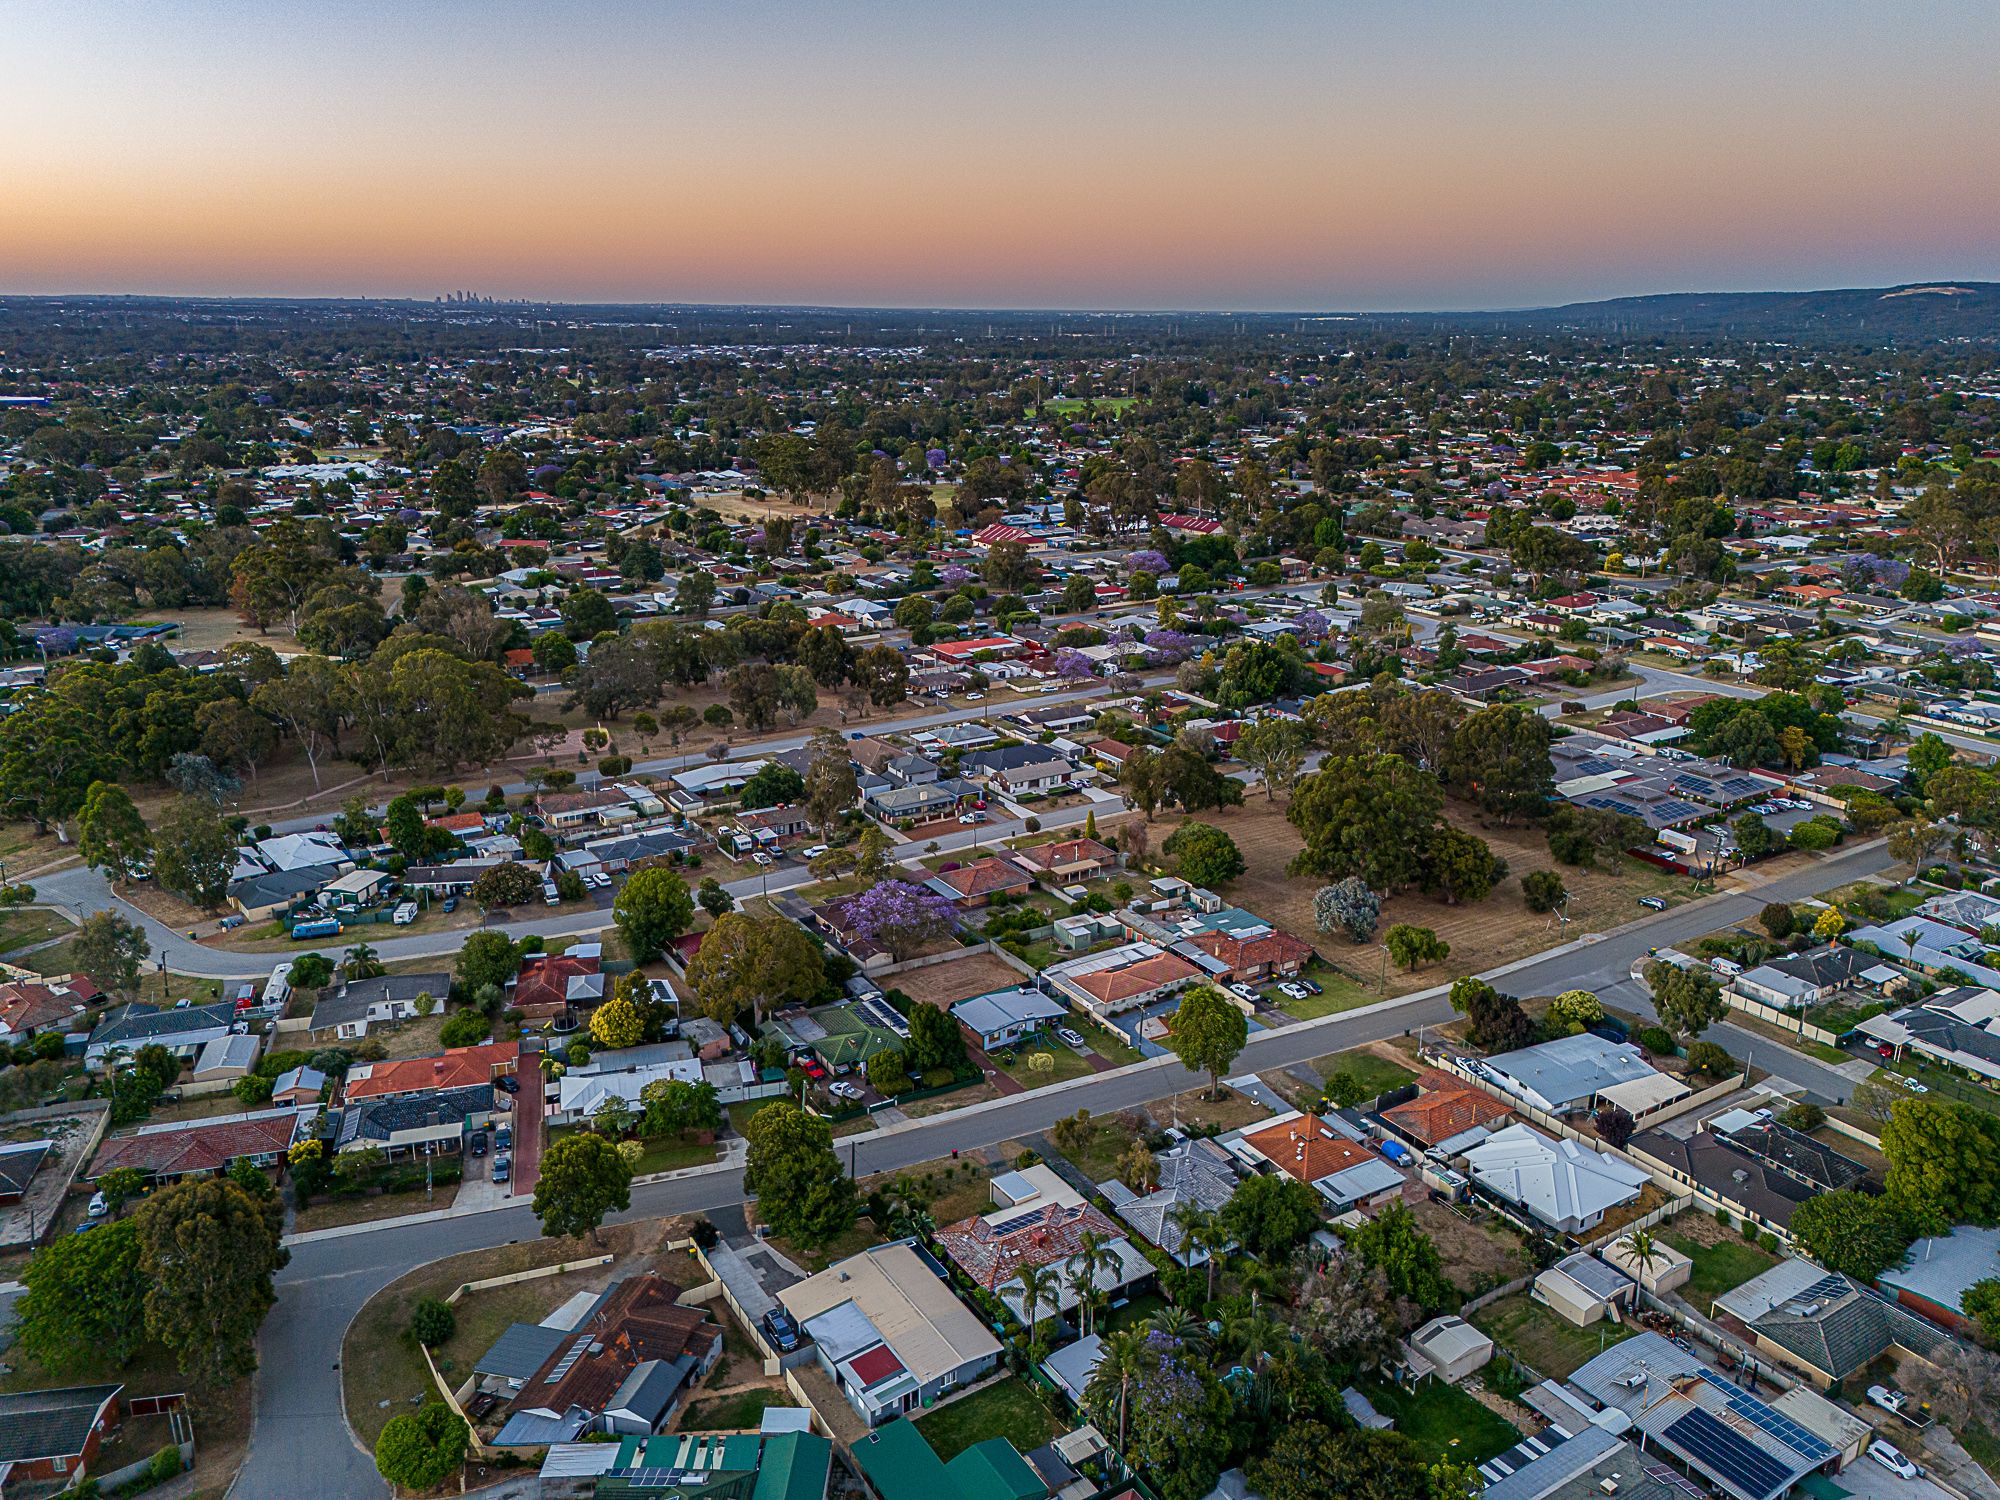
1482,934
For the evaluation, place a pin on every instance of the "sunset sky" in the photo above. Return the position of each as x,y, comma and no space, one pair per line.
1235,154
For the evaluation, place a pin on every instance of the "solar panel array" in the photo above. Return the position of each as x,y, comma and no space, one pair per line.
1827,1286
1729,1456
1802,1442
1026,1219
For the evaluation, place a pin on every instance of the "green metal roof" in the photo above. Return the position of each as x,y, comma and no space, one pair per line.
994,1470
795,1467
901,1465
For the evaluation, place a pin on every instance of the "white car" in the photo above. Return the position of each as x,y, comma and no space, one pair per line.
1070,1037
1294,991
1243,992
99,1206
813,852
843,1091
1915,1087
761,857
1888,1400
1890,1457
975,697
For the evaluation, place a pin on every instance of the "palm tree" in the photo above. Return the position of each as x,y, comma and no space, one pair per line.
1119,1361
1038,1286
1178,1324
1201,1229
1093,1254
1645,1250
361,962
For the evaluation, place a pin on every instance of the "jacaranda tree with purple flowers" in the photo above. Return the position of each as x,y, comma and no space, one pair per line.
901,917
1170,645
1311,625
1074,665
1176,1415
1145,562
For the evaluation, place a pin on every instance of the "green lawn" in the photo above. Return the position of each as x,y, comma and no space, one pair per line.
1370,1069
24,925
1104,1041
1066,1065
666,1155
1942,1084
1553,1346
1008,1408
733,1413
1443,1421
1718,1268
1339,993
744,1111
1134,1312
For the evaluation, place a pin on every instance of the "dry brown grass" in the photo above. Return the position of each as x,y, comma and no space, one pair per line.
1482,934
962,978
1484,1253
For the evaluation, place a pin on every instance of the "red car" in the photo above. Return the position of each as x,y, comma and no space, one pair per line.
814,1068
1883,1049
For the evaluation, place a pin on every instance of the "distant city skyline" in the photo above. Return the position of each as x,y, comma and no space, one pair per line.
1141,154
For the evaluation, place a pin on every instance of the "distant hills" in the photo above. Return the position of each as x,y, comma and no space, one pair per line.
1917,310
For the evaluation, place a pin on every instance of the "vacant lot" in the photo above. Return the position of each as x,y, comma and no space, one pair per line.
1723,1259
1482,934
1447,1423
961,979
1479,1252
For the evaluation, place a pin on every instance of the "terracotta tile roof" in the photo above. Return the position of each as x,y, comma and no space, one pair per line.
457,1068
983,877
1441,1114
639,1319
1111,985
1247,953
175,1151
1302,1148
30,1005
1064,853
545,981
1046,1236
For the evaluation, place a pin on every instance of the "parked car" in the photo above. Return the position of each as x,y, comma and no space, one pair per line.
1243,992
478,1143
1890,1457
1915,1087
1310,986
783,1331
812,851
503,1138
1883,1049
761,857
99,1206
843,1091
1652,903
450,905
1293,991
1069,1036
231,922
508,1084
1888,1400
1727,967
814,1068
972,817
503,1168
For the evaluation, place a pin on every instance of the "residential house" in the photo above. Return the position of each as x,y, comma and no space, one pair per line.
1195,1175
349,1007
1684,1408
1958,1027
1003,1017
892,804
1449,1348
1336,1166
1014,769
569,812
888,1330
1824,1324
454,1068
1562,1185
971,886
1253,956
900,1465
1810,1163
355,890
44,1004
1121,978
1450,1118
453,879
793,1464
551,986
300,1085
418,1124
581,1092
203,1147
622,1369
182,1029
1747,1186
1066,860
1939,1270
1800,980
1564,1076
19,1161
1040,1222
225,1059
48,1437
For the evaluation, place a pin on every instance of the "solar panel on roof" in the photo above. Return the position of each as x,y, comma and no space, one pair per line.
1798,1439
1729,1456
1826,1286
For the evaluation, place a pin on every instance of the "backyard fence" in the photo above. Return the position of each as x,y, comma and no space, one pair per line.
1784,1020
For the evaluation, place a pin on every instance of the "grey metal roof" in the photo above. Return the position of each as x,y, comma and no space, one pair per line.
520,1351
1939,1270
1571,1068
1593,1274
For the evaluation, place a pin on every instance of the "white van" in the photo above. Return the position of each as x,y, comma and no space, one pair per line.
1728,968
405,914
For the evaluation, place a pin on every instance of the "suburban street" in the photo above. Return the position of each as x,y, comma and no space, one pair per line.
299,1425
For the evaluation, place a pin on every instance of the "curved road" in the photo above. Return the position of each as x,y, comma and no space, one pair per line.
299,1429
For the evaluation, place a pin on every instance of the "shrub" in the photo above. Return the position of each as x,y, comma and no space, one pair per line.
1805,1118
164,1465
1543,890
1658,1040
1768,1243
468,1028
1710,1060
433,1322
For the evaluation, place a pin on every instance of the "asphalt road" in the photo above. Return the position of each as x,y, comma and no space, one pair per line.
299,1426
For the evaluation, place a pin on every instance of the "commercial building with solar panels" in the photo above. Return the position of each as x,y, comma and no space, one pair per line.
1682,1408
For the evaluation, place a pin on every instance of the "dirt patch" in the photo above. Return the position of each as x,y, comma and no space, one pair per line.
1482,934
1479,1252
961,979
